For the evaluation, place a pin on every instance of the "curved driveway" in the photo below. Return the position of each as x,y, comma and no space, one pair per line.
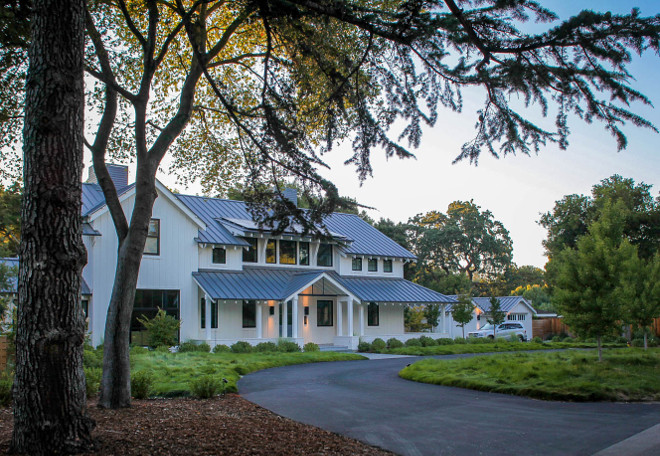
368,401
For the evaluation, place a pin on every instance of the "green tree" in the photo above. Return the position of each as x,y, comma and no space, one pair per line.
538,295
496,315
588,288
641,283
463,311
412,319
10,220
432,315
162,329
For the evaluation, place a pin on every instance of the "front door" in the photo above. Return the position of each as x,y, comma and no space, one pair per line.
285,330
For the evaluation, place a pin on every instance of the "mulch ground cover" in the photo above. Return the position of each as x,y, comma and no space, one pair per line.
227,425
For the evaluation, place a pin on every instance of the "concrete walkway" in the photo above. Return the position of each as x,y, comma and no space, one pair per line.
368,401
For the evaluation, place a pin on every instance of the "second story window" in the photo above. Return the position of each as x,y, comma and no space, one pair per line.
152,245
219,255
357,264
271,250
250,253
325,255
373,265
387,265
288,252
303,248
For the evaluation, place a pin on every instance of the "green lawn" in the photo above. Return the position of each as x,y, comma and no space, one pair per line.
497,346
172,372
624,375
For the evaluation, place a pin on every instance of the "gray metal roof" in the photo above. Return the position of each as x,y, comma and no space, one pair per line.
93,199
13,285
279,284
507,303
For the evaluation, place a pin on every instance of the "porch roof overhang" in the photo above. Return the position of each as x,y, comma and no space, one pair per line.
279,284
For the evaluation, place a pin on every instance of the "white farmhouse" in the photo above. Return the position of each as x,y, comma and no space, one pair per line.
207,263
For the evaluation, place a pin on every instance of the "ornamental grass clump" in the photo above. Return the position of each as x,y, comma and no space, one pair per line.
205,387
311,347
242,347
286,346
221,348
141,384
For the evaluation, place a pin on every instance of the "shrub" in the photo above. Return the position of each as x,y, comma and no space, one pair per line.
205,387
394,343
537,340
162,349
221,348
6,383
637,343
141,383
138,350
242,347
266,347
413,343
622,340
190,346
92,358
556,338
204,347
460,340
514,338
287,346
364,346
427,341
479,340
445,341
568,340
162,329
311,347
378,344
93,380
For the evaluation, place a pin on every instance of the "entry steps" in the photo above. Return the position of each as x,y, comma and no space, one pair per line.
335,348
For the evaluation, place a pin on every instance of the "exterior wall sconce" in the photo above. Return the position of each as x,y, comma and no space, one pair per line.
305,320
306,312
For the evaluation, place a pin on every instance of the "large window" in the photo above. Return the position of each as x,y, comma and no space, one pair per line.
304,253
325,255
147,303
387,265
152,245
323,313
250,253
219,255
373,265
214,314
288,252
202,313
249,314
373,314
271,250
357,263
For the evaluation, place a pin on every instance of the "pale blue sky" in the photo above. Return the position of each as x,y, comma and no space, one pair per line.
518,188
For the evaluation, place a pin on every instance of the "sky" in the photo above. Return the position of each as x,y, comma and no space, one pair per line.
516,189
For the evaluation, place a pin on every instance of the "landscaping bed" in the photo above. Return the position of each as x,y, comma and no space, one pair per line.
226,425
624,375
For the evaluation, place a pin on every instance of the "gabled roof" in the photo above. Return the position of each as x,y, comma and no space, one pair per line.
279,284
507,303
93,199
13,285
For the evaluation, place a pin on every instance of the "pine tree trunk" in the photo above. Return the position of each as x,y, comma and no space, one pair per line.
116,380
49,389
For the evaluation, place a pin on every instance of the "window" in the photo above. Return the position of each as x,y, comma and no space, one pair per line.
325,255
85,307
373,314
271,250
250,253
147,303
387,265
214,314
152,245
219,255
514,317
249,314
372,265
304,253
357,264
202,313
288,252
323,312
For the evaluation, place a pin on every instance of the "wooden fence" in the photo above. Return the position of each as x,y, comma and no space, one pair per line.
548,327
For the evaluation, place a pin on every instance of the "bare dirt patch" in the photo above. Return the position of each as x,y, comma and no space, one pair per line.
227,425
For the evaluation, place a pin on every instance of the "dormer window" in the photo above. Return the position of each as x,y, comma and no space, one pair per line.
387,265
271,251
219,255
357,264
152,245
303,249
373,265
288,252
324,257
250,253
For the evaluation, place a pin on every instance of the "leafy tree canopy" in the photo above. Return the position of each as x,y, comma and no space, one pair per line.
10,220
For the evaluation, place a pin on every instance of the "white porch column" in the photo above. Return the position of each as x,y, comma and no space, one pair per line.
260,325
349,304
339,328
294,317
207,315
285,319
361,319
444,322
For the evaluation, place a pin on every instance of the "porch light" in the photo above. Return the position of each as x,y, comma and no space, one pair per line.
305,320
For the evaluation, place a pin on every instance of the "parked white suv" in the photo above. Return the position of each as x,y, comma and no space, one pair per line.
505,329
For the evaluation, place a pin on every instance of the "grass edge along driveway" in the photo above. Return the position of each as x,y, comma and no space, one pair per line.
624,375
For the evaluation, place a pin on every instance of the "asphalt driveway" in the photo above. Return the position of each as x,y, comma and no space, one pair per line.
367,400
